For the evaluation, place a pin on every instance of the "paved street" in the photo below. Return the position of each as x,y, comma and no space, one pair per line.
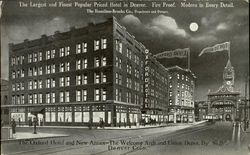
177,140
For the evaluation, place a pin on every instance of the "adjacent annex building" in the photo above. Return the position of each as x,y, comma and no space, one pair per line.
80,77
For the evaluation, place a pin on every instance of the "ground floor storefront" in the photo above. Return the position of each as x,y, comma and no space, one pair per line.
106,114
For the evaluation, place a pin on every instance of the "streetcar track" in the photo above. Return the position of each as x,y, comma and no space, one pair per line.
172,134
184,130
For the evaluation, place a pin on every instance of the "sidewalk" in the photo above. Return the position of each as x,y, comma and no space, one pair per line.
39,135
117,128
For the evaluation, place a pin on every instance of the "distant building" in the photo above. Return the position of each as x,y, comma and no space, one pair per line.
223,104
181,95
4,101
201,110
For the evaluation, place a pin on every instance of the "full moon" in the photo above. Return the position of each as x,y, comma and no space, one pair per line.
193,27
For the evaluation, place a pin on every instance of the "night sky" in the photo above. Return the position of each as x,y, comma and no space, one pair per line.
158,32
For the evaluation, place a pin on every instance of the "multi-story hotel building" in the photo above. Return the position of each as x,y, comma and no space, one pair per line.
156,91
99,72
181,95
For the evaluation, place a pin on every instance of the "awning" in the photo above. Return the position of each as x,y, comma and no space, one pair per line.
37,110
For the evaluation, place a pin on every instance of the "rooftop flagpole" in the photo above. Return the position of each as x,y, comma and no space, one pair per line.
188,59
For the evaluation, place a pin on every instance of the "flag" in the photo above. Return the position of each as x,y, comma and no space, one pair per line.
215,48
177,53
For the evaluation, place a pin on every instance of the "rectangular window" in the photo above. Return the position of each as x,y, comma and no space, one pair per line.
97,94
34,57
22,73
53,97
67,96
104,94
67,50
84,95
78,64
117,62
78,48
30,58
61,82
104,61
48,97
67,81
104,43
40,58
13,99
22,99
85,79
104,77
96,45
78,80
84,45
48,83
78,95
61,52
35,85
120,79
120,47
53,83
47,55
13,61
48,69
53,53
14,75
40,71
84,63
40,84
34,71
22,85
97,62
116,78
67,66
35,98
61,97
40,98
53,68
13,87
30,99
30,85
97,78
61,67
116,95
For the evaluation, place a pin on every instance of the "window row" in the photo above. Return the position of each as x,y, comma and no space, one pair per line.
100,44
19,60
100,61
17,74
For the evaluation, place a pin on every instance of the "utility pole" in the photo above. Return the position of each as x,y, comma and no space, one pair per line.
245,106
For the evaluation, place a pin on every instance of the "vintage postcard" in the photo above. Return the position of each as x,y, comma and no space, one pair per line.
113,77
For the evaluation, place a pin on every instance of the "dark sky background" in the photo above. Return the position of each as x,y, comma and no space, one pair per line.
158,32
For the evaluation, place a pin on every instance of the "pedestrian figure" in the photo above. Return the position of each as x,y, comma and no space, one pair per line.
100,123
13,125
247,124
119,123
90,124
19,121
30,122
129,123
124,122
35,124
